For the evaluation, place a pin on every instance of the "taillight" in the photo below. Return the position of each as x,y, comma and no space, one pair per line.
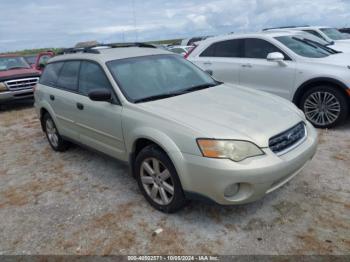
190,51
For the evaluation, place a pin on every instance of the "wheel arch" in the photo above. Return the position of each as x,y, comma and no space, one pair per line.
147,136
43,111
316,82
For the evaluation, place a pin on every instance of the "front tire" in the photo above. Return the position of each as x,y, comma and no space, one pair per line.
158,180
56,142
325,106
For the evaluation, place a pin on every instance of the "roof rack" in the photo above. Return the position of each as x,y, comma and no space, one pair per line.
93,50
285,27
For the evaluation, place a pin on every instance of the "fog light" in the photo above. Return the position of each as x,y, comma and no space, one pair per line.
231,190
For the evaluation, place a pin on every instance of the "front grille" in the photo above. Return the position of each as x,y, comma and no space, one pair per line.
24,83
287,139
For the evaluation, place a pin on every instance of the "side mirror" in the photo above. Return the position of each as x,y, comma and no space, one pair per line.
275,57
41,66
103,95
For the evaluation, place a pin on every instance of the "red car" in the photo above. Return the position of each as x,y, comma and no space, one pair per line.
18,78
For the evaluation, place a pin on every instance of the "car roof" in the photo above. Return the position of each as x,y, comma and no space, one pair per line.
296,28
247,35
109,54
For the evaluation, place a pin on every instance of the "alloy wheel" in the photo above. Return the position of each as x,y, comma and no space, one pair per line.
322,108
52,132
157,181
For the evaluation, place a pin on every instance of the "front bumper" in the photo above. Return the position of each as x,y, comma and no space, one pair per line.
256,176
15,95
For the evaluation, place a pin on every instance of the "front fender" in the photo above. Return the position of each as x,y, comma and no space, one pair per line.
155,135
163,141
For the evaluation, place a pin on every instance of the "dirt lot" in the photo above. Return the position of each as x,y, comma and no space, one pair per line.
80,202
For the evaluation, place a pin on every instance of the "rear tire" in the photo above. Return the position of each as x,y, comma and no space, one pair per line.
56,142
325,106
158,180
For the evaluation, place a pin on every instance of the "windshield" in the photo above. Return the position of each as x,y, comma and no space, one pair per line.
30,59
315,41
8,63
314,38
334,34
303,48
159,76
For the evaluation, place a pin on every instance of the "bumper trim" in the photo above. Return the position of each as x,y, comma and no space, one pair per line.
285,180
16,95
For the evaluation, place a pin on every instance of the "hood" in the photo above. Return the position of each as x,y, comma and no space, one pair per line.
345,41
18,73
341,59
229,112
343,47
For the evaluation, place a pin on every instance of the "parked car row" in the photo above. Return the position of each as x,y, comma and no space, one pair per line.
216,126
290,64
184,134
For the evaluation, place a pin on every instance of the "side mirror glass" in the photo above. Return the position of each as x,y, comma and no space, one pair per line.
100,95
275,57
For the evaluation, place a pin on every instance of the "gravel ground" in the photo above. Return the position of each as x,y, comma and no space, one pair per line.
80,202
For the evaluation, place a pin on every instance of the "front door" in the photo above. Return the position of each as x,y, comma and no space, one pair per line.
99,123
269,76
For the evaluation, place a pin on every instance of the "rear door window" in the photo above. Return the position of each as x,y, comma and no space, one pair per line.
50,74
229,48
92,77
68,78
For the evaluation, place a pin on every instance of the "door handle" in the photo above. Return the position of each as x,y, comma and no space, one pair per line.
207,63
247,65
80,106
52,97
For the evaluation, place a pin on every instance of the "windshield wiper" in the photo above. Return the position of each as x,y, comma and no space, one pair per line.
181,92
331,50
198,87
316,46
155,97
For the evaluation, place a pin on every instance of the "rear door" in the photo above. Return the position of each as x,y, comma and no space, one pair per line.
99,123
259,73
222,59
61,81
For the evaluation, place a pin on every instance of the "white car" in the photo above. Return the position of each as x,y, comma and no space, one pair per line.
315,78
336,45
181,50
326,33
191,41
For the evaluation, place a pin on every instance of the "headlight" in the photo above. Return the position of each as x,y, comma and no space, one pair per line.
235,150
3,87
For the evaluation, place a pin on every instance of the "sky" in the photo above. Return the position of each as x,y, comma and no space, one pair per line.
27,24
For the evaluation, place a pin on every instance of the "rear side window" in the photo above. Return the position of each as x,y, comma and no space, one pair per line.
92,77
50,74
68,78
229,48
258,48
